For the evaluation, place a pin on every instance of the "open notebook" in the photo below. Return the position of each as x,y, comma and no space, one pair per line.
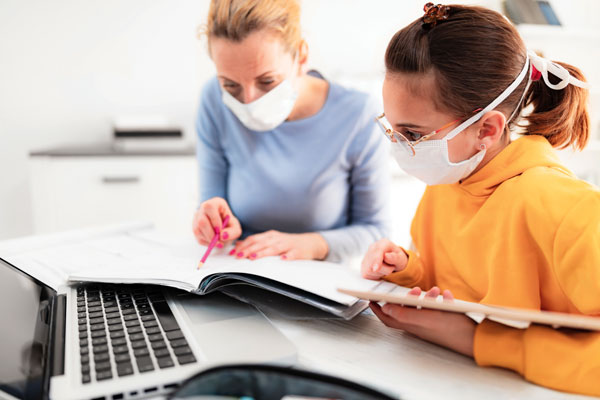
139,254
514,317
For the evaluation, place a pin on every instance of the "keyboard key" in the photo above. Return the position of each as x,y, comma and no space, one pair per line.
96,314
128,311
134,329
144,364
94,309
110,303
116,334
103,366
153,330
165,316
141,352
101,357
83,335
180,351
155,337
101,376
158,345
84,350
113,321
174,335
120,349
130,317
97,327
124,369
186,359
85,378
81,321
103,348
139,344
119,341
85,369
81,303
148,318
82,328
95,303
97,334
165,362
134,322
99,341
136,336
119,358
113,328
85,359
179,343
145,312
111,309
161,352
95,321
113,315
150,324
81,309
81,315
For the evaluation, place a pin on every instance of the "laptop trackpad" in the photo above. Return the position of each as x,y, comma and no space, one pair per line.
229,331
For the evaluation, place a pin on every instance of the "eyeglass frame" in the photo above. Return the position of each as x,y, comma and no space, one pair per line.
392,134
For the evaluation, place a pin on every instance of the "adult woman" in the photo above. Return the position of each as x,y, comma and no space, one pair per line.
502,222
294,160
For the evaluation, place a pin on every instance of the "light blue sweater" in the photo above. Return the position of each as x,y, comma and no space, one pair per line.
326,173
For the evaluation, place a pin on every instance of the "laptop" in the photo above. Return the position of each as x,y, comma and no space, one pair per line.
112,342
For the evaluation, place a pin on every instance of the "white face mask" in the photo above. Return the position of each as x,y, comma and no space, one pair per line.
431,162
266,112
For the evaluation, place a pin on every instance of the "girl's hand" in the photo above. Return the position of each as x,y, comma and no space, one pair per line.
452,330
290,246
383,258
208,220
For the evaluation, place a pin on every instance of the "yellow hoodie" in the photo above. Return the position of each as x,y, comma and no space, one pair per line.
521,232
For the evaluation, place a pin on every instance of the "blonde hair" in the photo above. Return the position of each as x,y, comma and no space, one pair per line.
236,19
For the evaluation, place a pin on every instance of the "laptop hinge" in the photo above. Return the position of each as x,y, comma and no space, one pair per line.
58,341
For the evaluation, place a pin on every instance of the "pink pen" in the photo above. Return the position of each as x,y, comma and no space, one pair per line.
213,242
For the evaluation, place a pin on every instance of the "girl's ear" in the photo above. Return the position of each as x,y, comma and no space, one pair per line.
491,128
303,58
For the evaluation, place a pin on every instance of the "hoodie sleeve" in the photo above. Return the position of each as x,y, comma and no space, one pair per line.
415,274
562,359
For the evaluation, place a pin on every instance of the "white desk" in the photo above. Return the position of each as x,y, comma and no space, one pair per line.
366,351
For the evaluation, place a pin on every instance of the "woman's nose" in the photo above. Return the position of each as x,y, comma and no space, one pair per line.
250,94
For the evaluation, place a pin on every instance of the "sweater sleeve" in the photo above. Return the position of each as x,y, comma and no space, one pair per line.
212,163
415,273
562,359
369,212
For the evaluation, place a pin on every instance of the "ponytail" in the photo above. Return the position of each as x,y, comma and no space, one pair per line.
561,116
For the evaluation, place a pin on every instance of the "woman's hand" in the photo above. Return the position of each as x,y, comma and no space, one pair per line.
452,330
383,258
209,219
290,246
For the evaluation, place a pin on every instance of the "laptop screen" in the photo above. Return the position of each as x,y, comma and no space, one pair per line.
25,318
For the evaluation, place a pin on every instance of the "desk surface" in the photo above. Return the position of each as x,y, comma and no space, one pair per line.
367,351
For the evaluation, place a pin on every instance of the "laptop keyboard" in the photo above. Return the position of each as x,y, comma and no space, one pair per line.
119,332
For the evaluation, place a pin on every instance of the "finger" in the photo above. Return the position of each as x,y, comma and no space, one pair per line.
258,250
447,295
244,245
395,258
384,317
203,230
231,231
433,292
212,209
416,291
385,269
293,254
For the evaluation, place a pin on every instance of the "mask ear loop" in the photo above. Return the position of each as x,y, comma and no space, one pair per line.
544,66
529,80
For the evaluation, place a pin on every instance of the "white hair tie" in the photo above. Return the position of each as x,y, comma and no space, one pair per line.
543,66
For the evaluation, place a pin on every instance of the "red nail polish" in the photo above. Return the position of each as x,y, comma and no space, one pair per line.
240,254
253,255
217,230
225,235
284,257
232,252
220,245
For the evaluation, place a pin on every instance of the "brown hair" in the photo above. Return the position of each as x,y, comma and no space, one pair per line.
475,54
236,19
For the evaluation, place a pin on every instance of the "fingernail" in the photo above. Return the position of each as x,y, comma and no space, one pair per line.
284,257
220,245
240,254
232,252
253,255
225,235
217,230
374,268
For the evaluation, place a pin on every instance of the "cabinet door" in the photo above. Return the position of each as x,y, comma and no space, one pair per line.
75,192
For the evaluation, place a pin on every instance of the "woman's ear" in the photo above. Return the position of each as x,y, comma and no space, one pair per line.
303,58
491,128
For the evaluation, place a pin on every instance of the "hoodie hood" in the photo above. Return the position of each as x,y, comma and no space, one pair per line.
520,155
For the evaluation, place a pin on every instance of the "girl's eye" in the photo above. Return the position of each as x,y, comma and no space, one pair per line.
266,82
412,136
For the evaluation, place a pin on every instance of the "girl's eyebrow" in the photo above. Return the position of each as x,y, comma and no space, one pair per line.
407,125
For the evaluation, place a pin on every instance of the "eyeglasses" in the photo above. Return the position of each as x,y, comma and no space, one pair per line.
268,382
405,138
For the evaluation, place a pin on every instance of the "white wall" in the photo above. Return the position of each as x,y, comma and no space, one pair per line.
67,67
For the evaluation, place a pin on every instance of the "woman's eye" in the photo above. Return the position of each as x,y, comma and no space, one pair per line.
412,136
230,85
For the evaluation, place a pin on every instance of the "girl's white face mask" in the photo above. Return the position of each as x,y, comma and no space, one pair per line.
266,112
430,162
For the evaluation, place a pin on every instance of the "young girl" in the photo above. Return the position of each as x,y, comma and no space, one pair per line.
502,221
296,161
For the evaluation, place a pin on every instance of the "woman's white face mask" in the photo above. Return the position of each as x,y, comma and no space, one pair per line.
268,111
431,163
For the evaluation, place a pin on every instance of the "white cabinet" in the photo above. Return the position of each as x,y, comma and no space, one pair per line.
80,189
